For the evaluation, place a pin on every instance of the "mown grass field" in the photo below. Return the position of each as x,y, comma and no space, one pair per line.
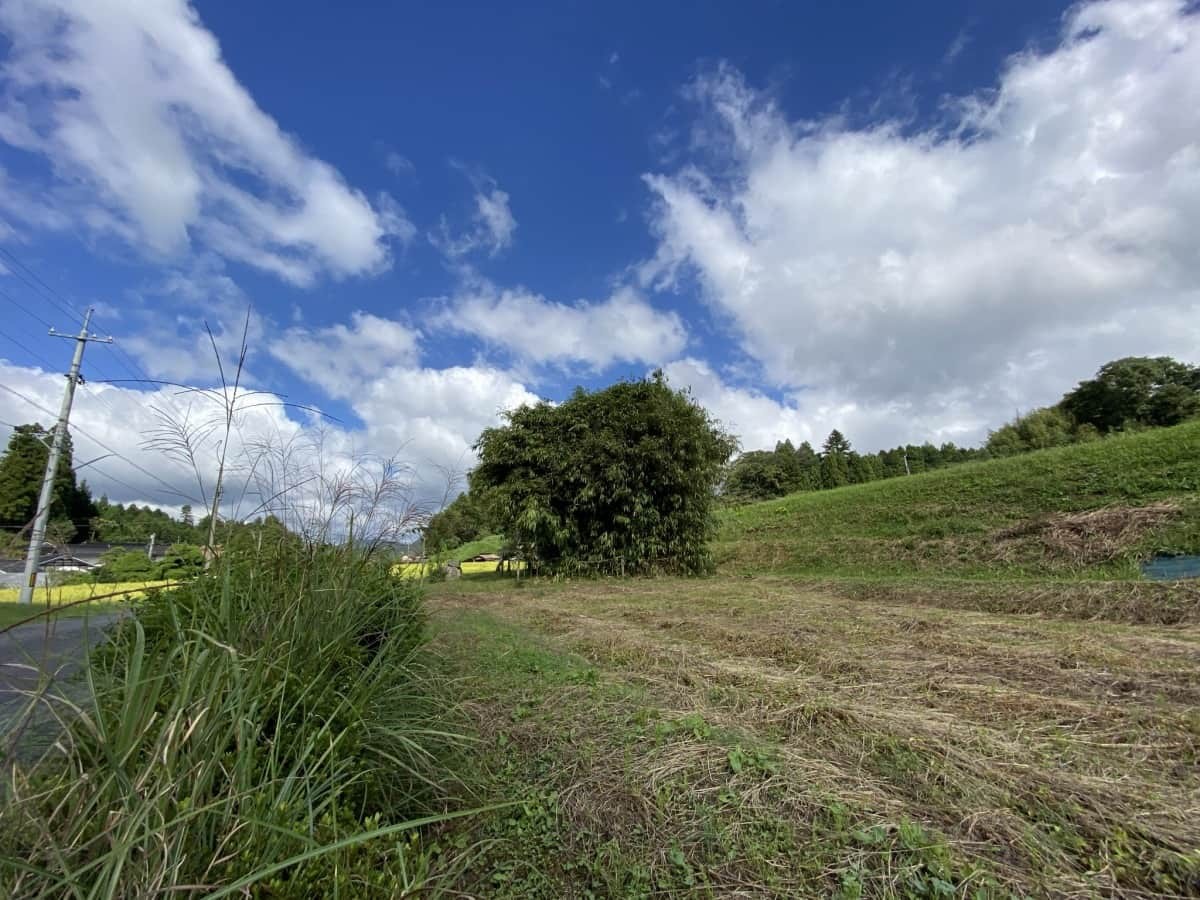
760,737
11,611
871,698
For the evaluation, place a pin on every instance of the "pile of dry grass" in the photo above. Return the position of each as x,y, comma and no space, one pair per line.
1088,538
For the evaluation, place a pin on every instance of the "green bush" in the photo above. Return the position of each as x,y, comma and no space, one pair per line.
620,479
272,708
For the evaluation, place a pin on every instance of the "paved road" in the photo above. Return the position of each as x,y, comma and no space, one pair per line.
28,652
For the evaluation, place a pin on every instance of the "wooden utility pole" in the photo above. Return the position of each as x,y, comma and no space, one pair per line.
42,518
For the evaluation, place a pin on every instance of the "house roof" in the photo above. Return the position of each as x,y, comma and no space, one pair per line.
64,560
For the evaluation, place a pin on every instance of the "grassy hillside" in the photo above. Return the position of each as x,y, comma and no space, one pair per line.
488,544
1025,515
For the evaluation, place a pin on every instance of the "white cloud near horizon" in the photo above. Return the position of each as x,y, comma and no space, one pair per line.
966,270
760,421
430,416
107,418
134,101
426,419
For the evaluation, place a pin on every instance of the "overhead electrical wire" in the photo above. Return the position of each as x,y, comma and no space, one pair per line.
117,453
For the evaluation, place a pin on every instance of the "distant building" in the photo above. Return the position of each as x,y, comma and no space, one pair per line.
73,557
65,562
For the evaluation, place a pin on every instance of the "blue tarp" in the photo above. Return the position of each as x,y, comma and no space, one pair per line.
1168,568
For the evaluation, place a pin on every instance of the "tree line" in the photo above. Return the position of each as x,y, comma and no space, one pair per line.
597,478
1126,394
75,515
762,474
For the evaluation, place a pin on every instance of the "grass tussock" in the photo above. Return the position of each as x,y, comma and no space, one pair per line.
268,728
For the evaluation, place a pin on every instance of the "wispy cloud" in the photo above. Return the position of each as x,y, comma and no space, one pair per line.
492,222
960,43
399,164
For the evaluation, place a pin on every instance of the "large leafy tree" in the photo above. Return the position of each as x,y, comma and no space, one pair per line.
1136,390
21,470
757,475
1038,430
625,475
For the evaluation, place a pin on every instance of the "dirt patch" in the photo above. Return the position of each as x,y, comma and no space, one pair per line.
1086,538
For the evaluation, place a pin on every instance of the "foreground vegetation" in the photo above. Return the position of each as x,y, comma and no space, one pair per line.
268,725
1032,515
758,737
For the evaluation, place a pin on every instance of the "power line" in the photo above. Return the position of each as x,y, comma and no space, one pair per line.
24,309
46,291
170,489
41,288
45,362
96,395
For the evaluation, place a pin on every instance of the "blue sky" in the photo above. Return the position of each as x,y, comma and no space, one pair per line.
904,221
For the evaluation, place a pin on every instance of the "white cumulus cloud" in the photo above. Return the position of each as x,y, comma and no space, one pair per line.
533,329
150,136
965,269
430,417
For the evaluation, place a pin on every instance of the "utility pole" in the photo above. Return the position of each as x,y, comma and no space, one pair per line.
42,519
150,549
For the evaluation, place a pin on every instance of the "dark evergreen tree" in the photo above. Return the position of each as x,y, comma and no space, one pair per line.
810,467
21,471
835,464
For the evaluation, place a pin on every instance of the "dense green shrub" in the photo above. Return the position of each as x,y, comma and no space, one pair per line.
621,479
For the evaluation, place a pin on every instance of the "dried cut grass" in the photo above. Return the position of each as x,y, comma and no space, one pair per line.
1088,538
1131,602
1064,754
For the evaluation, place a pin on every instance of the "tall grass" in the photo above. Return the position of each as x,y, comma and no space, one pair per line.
267,728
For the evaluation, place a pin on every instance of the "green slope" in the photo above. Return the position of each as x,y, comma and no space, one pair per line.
1008,517
489,544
